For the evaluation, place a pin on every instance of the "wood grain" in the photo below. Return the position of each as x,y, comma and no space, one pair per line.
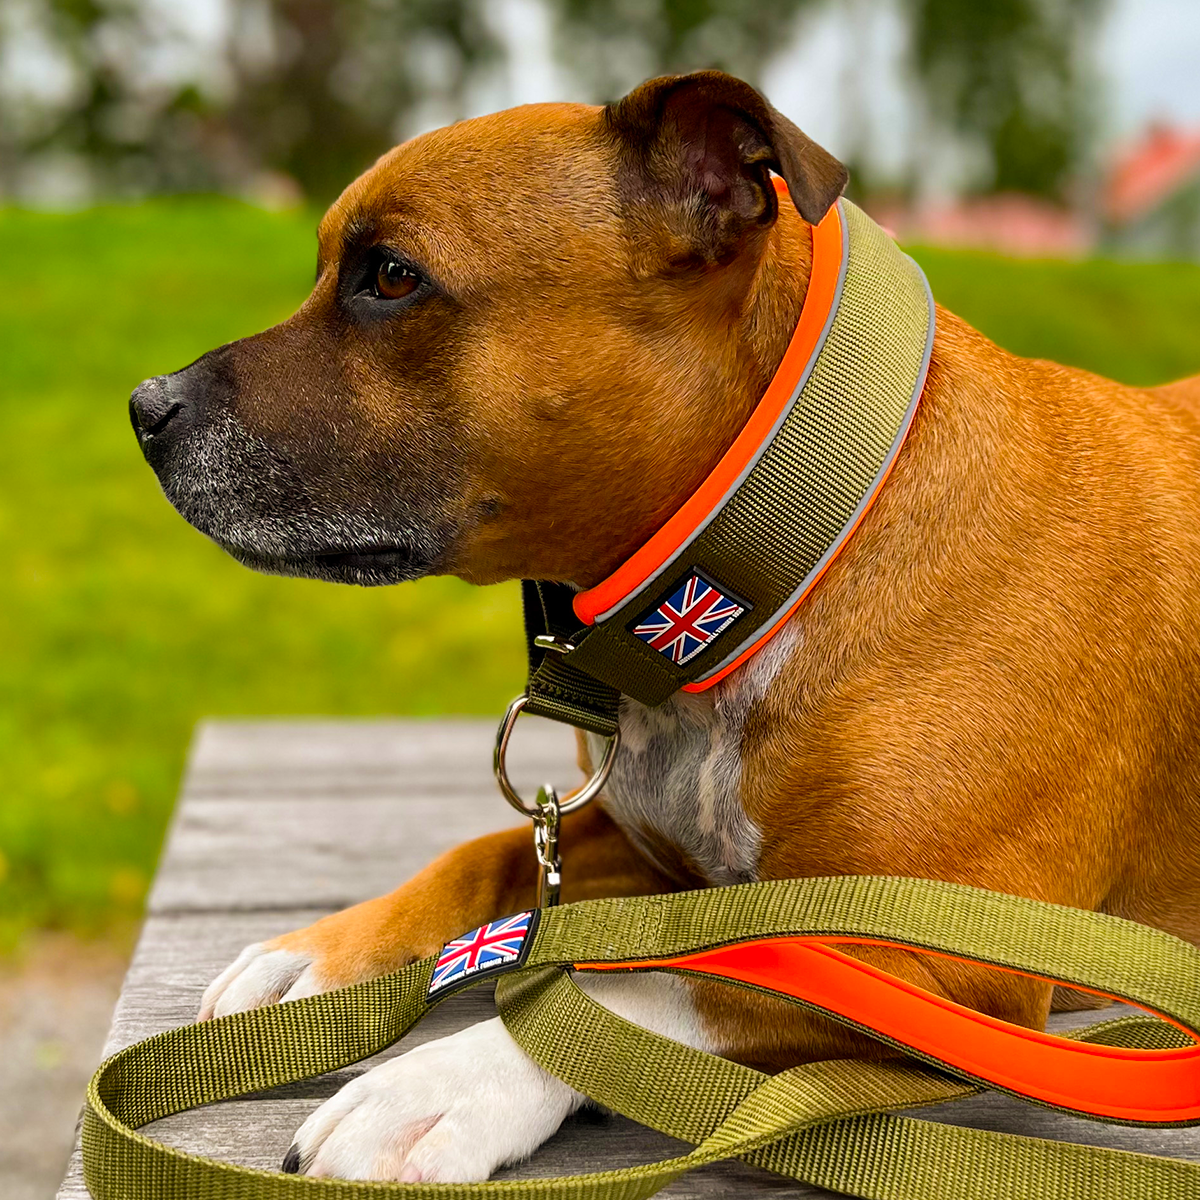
280,822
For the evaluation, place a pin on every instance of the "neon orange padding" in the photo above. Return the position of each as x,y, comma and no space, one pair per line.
1145,1086
822,288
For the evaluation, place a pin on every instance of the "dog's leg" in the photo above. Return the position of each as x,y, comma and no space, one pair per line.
459,1108
467,886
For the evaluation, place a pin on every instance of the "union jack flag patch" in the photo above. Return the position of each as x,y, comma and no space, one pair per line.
487,950
690,619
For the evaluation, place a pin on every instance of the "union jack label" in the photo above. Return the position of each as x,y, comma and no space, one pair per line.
690,619
489,949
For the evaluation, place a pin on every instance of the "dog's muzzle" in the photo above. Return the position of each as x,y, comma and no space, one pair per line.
263,502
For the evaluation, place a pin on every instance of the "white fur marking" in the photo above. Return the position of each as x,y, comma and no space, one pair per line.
449,1111
679,771
256,977
456,1109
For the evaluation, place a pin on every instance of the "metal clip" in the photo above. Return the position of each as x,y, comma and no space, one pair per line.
551,641
545,844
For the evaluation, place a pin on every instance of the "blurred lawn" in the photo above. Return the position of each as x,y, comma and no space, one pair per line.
121,626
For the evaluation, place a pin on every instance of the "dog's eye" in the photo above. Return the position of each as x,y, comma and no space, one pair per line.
394,280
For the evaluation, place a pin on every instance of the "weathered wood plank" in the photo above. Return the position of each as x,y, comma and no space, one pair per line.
276,853
280,822
320,759
245,836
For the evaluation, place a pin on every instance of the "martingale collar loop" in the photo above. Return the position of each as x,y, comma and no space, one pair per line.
734,562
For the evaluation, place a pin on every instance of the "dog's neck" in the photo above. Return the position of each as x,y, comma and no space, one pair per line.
776,298
747,547
758,303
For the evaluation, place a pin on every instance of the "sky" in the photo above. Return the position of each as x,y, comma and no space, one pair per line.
1148,55
1150,49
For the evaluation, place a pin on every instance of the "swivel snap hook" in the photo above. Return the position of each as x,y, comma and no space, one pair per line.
545,844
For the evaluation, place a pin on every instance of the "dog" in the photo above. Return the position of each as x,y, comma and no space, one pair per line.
531,337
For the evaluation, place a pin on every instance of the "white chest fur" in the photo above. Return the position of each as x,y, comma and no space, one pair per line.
678,775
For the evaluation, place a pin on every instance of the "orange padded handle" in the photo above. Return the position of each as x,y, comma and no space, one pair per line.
1140,1086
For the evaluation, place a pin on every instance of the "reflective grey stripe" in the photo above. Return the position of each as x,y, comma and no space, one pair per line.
766,442
771,626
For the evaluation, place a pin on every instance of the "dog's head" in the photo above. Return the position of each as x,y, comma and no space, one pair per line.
519,353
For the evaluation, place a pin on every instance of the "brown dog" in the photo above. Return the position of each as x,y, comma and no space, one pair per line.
996,683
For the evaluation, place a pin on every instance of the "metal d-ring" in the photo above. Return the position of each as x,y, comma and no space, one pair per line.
589,791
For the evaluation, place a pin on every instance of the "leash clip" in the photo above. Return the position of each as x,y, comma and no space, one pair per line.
576,800
545,845
551,641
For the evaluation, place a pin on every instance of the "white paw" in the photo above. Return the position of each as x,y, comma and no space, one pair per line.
258,976
449,1111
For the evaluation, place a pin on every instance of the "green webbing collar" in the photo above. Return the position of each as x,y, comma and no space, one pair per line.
827,1123
766,537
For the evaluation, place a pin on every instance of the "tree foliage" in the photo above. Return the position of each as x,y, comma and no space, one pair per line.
614,44
311,89
336,99
1012,75
314,89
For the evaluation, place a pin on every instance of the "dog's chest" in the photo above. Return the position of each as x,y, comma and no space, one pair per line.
677,779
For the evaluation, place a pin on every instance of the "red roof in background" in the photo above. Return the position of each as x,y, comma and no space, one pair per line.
1008,223
1150,171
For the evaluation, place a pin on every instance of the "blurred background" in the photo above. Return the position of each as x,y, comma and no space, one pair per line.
162,167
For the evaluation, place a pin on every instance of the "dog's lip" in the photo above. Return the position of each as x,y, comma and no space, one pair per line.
369,563
368,554
362,556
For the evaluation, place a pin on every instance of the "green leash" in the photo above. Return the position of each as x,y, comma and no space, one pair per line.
830,1123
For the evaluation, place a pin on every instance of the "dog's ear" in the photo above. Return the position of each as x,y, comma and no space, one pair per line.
704,144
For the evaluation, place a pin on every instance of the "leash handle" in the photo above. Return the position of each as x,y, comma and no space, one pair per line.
868,1153
826,1122
1155,1087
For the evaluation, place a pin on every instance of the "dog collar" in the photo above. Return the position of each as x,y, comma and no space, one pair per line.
729,568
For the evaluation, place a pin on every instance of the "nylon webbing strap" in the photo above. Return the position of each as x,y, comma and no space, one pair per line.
556,689
795,504
685,1093
827,1122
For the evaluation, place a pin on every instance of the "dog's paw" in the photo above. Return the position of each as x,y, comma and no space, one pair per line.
263,973
449,1111
361,942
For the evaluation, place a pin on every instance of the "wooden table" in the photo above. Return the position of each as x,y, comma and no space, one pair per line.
281,822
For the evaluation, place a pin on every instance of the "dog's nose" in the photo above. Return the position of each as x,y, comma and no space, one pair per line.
154,409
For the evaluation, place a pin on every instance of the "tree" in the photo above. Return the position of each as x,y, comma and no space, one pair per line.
1009,75
336,98
315,89
1012,75
615,44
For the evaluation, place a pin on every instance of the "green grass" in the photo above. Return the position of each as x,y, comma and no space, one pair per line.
121,626
1136,322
